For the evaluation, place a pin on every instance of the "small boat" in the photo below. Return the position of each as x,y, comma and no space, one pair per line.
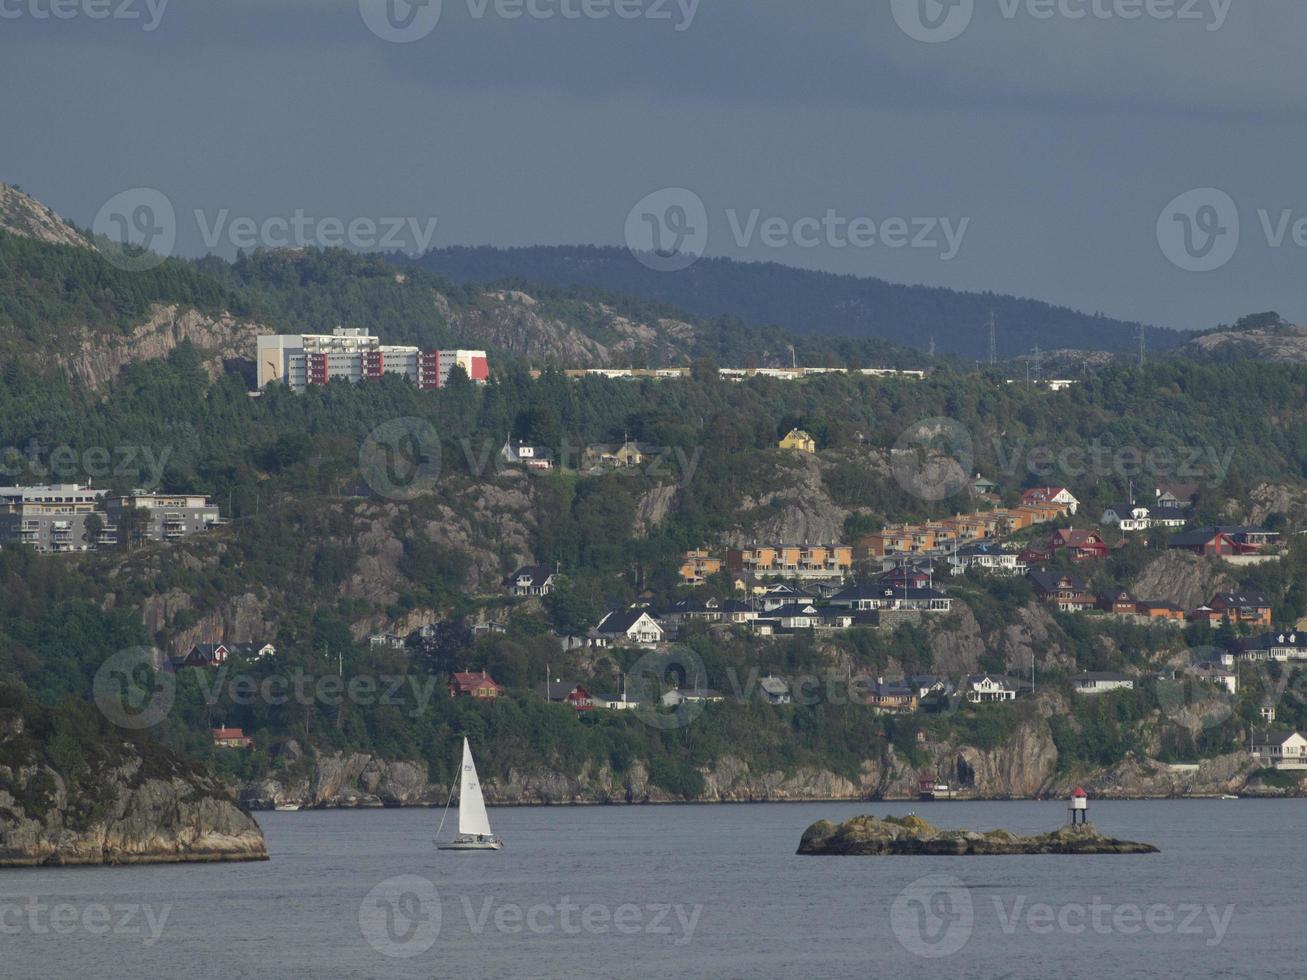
473,823
287,807
1228,796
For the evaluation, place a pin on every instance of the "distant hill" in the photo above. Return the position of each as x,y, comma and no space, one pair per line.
1260,337
807,302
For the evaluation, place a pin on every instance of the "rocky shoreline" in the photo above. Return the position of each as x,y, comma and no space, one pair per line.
913,836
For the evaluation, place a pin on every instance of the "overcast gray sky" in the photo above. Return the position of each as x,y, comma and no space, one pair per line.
1050,144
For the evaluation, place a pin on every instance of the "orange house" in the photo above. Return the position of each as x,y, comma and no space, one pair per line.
696,566
474,685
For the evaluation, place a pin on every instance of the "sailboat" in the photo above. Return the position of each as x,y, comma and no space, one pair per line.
473,824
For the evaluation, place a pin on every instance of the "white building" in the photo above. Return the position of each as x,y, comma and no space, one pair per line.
982,688
633,625
1099,682
352,354
1280,750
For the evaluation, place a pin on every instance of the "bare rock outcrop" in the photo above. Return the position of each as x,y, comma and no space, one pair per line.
1185,579
28,217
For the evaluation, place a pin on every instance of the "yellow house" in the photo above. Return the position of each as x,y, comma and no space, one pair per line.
800,440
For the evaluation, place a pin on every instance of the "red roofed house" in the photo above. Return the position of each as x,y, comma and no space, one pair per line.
1083,545
1253,608
1051,495
231,738
479,685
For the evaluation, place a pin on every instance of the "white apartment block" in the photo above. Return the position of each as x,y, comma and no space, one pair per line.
352,354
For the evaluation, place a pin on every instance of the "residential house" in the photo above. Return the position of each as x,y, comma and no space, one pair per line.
987,557
982,488
1214,673
628,455
689,610
533,580
1279,750
1177,494
1118,602
1164,611
572,693
892,697
1224,542
478,685
929,685
985,688
231,738
1099,682
1248,608
739,611
1141,517
1281,647
1052,495
532,457
791,561
1082,545
204,655
799,441
696,566
868,598
631,625
1062,589
391,641
774,690
691,695
1266,710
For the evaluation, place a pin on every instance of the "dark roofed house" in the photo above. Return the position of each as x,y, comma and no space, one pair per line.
1118,601
572,693
1062,589
1252,608
630,625
1280,647
1177,494
533,580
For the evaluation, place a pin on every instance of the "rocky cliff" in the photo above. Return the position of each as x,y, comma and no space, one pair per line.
68,797
28,217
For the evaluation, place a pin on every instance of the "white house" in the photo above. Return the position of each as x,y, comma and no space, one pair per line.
1271,646
1141,517
533,580
774,690
1098,682
990,687
634,625
1214,673
679,696
1280,750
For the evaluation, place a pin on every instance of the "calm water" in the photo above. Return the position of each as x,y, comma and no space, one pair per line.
710,891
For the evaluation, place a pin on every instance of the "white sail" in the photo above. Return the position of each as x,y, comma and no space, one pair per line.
472,817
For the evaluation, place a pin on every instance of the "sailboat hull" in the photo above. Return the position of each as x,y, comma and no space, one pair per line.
472,845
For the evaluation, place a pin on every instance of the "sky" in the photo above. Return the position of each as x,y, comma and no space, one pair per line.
1139,158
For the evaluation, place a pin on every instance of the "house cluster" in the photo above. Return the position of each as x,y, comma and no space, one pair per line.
1038,506
600,457
752,567
203,655
67,517
1069,593
1172,506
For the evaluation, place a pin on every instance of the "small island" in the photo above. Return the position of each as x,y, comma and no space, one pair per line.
74,791
912,835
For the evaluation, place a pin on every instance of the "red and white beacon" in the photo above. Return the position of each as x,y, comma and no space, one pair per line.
1079,807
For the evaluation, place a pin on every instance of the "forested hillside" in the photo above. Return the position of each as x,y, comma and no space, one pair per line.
807,302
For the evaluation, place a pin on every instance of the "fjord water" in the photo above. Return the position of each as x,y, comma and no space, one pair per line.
1222,899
